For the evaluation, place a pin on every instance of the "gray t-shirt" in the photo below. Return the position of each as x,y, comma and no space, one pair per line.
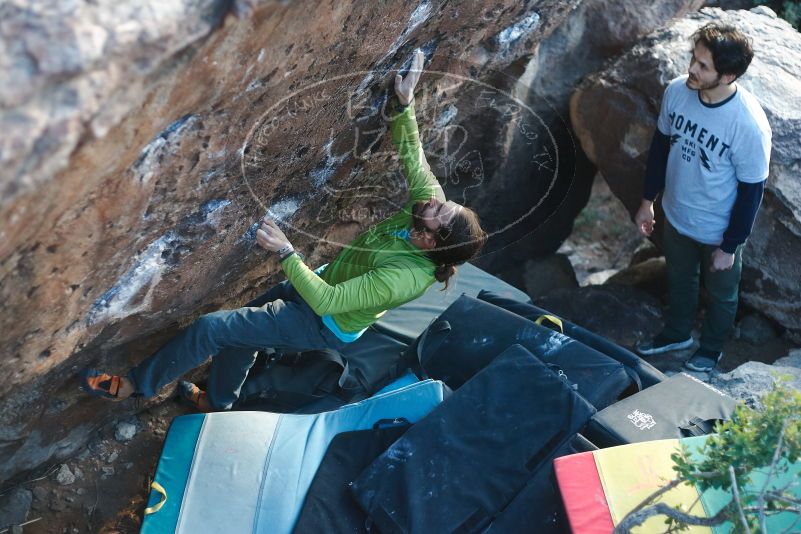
711,148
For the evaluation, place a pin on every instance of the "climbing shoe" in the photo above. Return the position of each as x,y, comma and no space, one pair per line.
101,385
193,396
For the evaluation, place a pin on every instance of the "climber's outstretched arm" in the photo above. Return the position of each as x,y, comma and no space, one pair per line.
422,183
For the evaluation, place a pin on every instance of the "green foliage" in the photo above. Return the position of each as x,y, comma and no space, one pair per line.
766,439
789,10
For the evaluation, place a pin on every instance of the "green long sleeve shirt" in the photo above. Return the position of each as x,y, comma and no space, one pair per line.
379,270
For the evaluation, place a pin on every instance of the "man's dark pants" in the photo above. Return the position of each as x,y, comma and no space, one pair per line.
686,259
279,319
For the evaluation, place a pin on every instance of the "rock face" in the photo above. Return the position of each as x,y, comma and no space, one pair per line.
649,276
142,142
69,66
14,506
537,175
614,114
752,380
541,275
755,329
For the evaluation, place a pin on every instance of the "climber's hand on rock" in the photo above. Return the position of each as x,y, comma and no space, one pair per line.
404,87
270,237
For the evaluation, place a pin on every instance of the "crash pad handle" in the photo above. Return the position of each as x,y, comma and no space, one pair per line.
156,507
390,423
552,318
698,427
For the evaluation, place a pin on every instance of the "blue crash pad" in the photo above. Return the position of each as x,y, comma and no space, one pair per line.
250,471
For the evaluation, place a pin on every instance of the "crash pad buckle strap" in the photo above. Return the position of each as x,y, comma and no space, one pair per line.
156,507
698,427
337,359
552,319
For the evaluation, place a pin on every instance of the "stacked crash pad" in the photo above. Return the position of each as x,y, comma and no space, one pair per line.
249,471
599,488
459,468
407,322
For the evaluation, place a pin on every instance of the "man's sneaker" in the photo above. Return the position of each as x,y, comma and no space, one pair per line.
704,360
661,344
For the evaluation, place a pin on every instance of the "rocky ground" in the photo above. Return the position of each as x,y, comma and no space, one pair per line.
603,243
101,490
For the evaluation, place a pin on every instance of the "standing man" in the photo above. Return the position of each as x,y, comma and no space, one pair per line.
709,160
385,267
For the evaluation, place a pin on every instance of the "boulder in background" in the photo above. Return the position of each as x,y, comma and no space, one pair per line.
614,114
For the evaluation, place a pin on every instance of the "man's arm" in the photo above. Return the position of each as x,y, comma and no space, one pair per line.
656,168
377,288
743,215
751,159
657,165
422,183
654,181
741,221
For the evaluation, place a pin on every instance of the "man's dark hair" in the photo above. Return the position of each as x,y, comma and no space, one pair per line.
457,243
731,49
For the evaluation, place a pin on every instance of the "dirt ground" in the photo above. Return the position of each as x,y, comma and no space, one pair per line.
107,485
109,480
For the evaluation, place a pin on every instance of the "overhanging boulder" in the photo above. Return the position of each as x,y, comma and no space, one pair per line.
143,140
